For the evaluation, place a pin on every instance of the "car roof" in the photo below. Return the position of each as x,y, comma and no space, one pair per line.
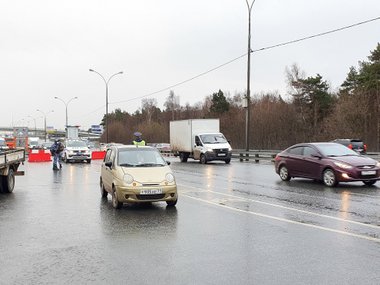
314,144
349,140
131,146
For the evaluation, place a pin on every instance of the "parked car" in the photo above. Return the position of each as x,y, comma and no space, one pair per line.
47,145
354,144
136,175
328,162
76,150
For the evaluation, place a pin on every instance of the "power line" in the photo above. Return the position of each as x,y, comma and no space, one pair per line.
241,56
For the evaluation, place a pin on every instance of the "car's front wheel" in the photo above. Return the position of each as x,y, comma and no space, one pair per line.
103,191
329,178
115,202
203,159
284,173
171,203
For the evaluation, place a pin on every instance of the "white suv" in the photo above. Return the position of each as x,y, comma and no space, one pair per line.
76,150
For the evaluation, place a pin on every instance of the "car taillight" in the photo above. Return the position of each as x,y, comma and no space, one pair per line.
350,146
365,147
277,158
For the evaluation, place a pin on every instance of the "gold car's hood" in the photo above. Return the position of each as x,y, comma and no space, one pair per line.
148,174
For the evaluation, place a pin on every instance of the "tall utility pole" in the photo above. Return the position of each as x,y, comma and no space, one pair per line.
106,82
248,97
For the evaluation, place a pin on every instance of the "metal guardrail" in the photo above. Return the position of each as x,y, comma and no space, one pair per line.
262,155
269,155
254,155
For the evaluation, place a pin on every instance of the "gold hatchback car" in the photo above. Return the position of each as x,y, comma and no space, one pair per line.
136,174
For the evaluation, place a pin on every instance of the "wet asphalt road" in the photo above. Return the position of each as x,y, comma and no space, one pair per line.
233,224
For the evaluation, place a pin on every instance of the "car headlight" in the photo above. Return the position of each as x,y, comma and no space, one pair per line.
169,177
342,165
378,164
128,178
209,149
230,149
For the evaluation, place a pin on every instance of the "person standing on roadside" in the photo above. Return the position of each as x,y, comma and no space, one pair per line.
138,141
56,151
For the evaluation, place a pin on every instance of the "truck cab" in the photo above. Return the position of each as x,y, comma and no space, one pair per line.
211,146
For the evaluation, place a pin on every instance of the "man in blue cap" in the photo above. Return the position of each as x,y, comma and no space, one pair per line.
138,141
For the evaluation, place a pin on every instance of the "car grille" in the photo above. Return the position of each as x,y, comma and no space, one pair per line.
222,150
150,197
367,167
364,167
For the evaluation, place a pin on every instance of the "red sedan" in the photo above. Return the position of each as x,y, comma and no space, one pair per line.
328,162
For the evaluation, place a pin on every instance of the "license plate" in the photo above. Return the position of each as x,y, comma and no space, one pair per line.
150,191
221,154
368,172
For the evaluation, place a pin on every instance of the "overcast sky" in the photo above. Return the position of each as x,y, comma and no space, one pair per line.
47,48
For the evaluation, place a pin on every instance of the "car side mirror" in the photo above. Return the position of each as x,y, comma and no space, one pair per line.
168,162
108,164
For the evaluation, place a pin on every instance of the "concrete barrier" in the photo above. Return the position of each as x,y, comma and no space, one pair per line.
39,155
98,154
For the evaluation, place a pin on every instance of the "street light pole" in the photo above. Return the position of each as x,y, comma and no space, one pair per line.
106,82
248,97
66,104
43,113
35,125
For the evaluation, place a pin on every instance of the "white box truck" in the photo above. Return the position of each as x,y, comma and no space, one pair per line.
199,139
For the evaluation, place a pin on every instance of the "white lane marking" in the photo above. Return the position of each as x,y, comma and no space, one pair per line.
286,220
288,208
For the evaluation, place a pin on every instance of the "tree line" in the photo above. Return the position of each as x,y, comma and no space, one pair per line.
310,111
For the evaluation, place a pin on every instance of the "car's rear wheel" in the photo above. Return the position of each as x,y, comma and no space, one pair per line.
103,191
329,178
115,202
284,173
8,182
183,156
369,182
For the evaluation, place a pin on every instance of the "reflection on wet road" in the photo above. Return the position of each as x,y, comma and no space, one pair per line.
233,224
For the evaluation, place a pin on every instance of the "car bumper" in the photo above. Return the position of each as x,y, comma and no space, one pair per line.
79,157
351,176
218,156
133,194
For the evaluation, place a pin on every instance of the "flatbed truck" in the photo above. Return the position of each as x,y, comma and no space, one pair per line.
10,161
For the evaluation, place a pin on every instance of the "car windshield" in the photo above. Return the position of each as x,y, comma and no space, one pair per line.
76,144
213,138
332,150
140,158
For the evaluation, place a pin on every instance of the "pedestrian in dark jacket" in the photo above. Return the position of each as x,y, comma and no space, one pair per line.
56,151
